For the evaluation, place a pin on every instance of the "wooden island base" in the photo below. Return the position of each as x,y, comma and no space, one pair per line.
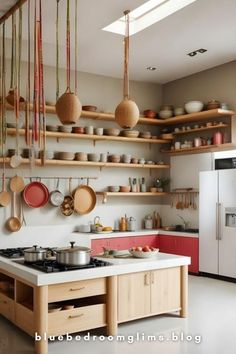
98,302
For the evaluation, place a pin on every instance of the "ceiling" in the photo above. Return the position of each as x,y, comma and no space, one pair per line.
204,24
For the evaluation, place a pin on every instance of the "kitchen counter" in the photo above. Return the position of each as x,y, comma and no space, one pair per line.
118,266
95,236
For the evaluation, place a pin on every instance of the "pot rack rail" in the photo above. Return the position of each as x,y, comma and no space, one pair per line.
56,177
12,10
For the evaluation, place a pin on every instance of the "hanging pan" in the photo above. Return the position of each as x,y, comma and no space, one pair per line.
36,195
84,199
56,197
67,207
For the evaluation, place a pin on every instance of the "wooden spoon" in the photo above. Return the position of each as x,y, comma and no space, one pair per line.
13,224
5,197
17,184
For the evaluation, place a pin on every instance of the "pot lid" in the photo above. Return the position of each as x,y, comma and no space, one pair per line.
73,248
35,249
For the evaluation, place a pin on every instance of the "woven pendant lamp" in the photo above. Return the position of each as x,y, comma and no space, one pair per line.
127,112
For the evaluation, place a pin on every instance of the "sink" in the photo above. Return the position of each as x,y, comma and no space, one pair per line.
194,231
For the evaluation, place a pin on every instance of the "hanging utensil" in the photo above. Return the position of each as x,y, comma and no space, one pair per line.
5,197
17,184
56,197
10,96
13,224
68,106
57,52
85,199
127,112
28,97
67,207
36,195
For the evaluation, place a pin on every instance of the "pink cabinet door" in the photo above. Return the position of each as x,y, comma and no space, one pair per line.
183,246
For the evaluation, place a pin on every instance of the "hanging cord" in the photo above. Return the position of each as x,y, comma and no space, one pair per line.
68,45
76,47
42,82
4,129
126,52
27,113
19,49
1,87
36,79
57,53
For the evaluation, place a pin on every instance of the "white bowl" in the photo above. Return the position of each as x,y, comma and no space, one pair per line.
141,254
193,106
164,114
84,228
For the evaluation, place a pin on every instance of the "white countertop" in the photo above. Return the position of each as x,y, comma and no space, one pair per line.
94,236
119,266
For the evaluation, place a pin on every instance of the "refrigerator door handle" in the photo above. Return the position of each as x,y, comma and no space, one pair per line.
219,221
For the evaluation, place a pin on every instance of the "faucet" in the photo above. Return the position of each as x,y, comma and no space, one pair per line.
186,223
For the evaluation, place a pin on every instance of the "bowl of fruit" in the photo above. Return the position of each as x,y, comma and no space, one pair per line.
143,252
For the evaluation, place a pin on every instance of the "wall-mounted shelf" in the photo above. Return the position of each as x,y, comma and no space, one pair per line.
190,131
200,149
186,118
59,135
38,162
107,195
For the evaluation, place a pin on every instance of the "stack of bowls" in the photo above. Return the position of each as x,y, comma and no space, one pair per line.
64,128
126,158
51,128
125,189
145,135
62,155
179,111
26,153
89,130
93,157
113,188
114,158
111,131
130,133
81,156
49,155
166,111
134,160
149,113
78,130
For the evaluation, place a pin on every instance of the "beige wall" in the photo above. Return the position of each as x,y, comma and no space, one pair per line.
216,83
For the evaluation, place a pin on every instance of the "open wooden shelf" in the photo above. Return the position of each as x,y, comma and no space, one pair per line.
133,194
38,162
190,131
200,149
59,135
186,118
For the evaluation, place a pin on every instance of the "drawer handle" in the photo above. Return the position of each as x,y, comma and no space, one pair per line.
146,279
78,289
3,302
75,316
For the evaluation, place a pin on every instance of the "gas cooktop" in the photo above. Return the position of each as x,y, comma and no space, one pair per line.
18,252
52,266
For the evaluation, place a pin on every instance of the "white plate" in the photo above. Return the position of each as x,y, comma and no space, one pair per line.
141,254
102,232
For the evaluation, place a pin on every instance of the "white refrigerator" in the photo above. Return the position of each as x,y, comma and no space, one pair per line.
217,222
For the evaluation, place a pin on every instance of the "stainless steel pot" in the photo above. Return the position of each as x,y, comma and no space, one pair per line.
74,255
35,254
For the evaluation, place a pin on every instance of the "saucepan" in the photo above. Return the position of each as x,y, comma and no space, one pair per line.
73,255
34,254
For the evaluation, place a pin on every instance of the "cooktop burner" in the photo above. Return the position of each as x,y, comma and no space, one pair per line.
51,265
13,252
18,252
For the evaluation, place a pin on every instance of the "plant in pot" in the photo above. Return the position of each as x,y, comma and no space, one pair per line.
161,183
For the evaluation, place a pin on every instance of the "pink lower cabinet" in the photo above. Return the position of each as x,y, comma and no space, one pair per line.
123,243
182,245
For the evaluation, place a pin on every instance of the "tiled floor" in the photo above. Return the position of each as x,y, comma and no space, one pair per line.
212,314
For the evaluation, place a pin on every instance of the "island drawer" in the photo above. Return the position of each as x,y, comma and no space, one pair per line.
77,319
24,318
7,308
77,289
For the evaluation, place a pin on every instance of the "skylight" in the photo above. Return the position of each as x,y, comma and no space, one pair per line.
147,14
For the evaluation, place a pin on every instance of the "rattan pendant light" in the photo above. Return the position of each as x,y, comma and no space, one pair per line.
127,112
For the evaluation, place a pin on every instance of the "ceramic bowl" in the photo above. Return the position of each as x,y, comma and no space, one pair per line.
81,156
153,189
64,128
145,135
89,130
54,308
179,111
134,160
89,108
165,114
168,107
84,228
67,307
49,155
111,131
65,155
98,131
51,128
213,104
114,158
130,133
94,157
194,106
113,188
149,113
125,189
78,130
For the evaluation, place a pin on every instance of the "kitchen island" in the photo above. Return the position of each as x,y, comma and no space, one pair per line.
103,296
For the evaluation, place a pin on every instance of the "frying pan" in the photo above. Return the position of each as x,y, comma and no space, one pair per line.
36,195
67,207
56,198
13,224
84,199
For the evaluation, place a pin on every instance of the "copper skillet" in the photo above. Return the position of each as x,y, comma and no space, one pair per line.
84,199
67,206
